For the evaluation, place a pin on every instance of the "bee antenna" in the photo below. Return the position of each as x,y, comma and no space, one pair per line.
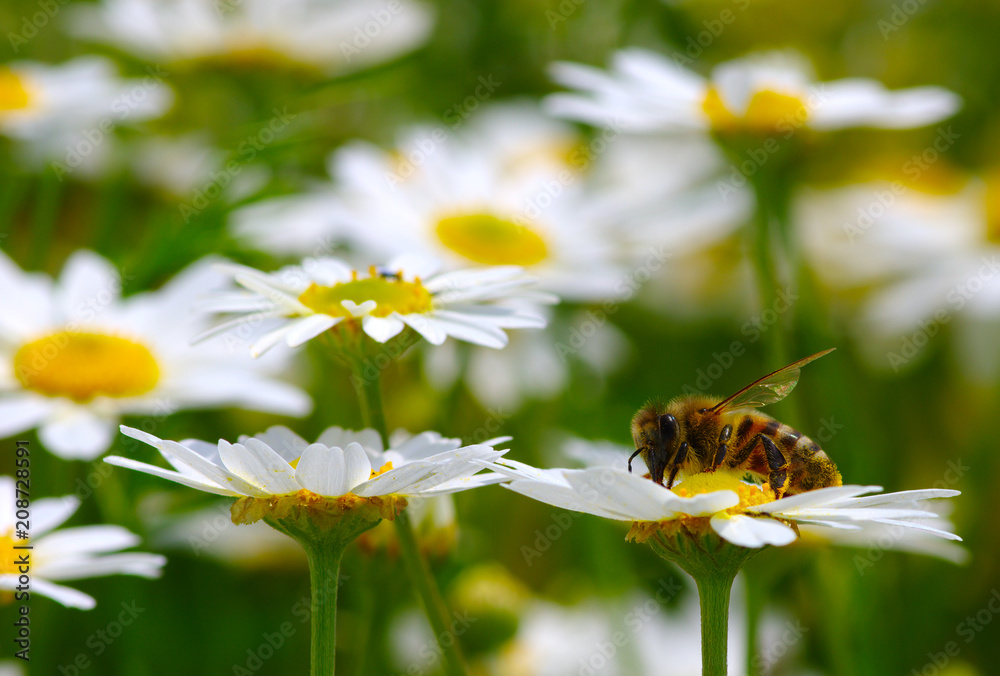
632,457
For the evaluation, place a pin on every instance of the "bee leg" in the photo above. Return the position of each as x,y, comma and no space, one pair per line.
679,459
720,454
777,465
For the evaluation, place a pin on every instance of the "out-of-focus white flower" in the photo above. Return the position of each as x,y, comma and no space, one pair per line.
507,189
67,112
184,166
75,356
646,633
11,669
908,258
334,37
68,554
309,299
771,92
211,532
534,364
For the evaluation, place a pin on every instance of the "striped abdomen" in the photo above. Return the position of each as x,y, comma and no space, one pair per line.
807,465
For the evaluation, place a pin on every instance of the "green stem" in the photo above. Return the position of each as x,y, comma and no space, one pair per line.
369,585
713,593
369,391
767,239
754,591
324,573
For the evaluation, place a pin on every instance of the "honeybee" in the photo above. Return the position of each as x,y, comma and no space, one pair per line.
702,433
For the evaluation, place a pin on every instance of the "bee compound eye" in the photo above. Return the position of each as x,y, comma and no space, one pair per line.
702,410
668,428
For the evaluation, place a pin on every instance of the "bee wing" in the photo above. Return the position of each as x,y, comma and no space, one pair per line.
769,389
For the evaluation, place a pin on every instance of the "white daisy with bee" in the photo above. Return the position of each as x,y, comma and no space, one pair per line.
301,302
75,356
924,529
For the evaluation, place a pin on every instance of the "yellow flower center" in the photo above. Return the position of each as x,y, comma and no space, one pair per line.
381,470
13,95
750,495
81,366
706,482
767,112
488,240
7,555
390,295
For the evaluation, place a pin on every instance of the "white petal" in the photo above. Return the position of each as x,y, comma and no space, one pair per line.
269,340
50,513
88,540
467,329
753,532
170,475
562,497
357,467
21,412
339,437
425,445
857,101
431,331
128,563
77,434
361,310
396,480
202,468
285,442
86,280
69,597
307,328
381,329
820,496
257,463
322,470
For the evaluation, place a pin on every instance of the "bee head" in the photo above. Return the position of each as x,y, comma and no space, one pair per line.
656,436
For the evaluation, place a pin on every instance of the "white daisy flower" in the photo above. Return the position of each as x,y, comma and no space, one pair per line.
509,188
340,464
211,532
334,37
69,554
772,92
75,356
66,112
309,299
742,513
